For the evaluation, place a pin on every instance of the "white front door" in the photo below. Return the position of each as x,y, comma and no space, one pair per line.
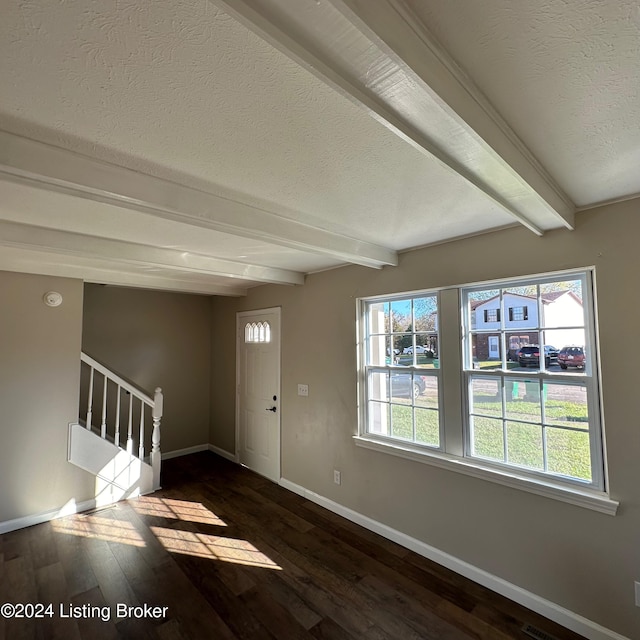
494,348
258,391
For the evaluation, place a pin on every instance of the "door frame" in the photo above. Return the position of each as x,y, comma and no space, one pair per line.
241,317
493,340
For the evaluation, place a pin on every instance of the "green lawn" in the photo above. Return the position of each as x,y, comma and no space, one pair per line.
567,450
427,426
557,412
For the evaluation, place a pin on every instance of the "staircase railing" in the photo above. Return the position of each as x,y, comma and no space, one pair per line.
129,403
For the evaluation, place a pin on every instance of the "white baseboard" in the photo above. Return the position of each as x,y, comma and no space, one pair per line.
72,507
39,518
224,454
185,452
68,509
546,608
201,447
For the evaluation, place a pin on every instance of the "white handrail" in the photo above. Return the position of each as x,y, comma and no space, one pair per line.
155,404
127,386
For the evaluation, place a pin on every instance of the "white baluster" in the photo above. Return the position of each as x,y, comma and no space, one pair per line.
103,424
116,437
90,402
155,404
141,441
156,456
130,426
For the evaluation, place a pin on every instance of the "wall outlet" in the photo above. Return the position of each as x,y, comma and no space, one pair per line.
337,478
303,389
637,586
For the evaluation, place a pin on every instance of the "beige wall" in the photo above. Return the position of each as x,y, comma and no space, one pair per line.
156,339
580,559
39,378
223,374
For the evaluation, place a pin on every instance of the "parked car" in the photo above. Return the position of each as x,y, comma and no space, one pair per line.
403,385
530,355
409,350
572,357
419,349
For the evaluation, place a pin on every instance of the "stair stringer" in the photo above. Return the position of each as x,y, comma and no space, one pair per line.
119,474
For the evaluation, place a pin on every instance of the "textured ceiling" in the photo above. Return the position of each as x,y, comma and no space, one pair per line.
298,136
184,92
564,74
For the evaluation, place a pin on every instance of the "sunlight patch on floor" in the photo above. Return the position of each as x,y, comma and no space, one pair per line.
176,510
202,545
93,526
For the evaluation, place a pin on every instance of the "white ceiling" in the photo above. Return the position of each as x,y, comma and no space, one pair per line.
213,145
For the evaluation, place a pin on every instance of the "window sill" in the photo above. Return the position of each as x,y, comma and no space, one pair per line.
597,501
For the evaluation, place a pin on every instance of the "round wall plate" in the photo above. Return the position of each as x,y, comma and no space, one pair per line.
52,299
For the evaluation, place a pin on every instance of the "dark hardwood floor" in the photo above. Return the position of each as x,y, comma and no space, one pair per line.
222,554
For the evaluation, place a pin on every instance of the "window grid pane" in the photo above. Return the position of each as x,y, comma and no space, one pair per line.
402,369
257,332
504,325
536,424
529,370
539,422
404,405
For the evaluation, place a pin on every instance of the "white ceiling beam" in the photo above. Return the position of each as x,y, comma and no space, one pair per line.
396,25
55,169
13,234
262,19
104,272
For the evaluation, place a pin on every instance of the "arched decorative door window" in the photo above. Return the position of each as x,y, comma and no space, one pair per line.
257,332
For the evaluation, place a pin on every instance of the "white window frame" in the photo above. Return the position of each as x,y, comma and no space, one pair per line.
589,378
369,369
455,372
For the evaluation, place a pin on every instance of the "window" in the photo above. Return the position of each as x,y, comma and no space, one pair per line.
517,314
257,332
537,414
492,315
516,341
401,358
522,405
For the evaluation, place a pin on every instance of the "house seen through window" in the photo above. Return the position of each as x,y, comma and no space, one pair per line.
527,366
529,406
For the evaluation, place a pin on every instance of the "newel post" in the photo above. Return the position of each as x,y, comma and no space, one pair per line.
155,437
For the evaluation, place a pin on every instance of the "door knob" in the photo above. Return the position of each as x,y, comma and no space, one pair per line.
272,409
